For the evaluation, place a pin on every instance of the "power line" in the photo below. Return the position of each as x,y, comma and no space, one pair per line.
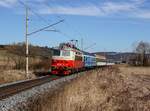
90,46
65,34
60,32
45,27
49,5
40,17
66,22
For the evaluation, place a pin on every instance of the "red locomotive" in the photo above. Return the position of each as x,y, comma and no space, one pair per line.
66,59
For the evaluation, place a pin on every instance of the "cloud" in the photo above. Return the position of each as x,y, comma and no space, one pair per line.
103,9
128,8
143,14
7,3
138,1
89,10
110,7
11,3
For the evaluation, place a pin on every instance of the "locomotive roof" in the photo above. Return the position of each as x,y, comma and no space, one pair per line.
64,46
67,48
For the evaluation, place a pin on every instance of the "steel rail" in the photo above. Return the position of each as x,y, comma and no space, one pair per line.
14,88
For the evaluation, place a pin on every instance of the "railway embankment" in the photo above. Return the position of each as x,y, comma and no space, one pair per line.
34,98
106,89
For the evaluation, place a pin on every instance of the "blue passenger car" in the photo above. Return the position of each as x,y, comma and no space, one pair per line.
89,60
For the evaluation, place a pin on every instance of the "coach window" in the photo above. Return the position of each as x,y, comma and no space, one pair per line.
84,58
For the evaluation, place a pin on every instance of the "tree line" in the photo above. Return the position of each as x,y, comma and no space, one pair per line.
142,54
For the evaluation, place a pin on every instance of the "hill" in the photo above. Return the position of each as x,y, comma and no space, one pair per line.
13,56
119,57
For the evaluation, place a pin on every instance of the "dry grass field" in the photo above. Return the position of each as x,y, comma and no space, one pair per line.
8,72
108,89
134,70
7,76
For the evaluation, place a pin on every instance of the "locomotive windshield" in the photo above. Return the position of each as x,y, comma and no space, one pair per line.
56,52
65,53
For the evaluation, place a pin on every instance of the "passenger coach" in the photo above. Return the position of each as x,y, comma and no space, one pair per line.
89,60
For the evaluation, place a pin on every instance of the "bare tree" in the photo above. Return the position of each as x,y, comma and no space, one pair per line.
142,50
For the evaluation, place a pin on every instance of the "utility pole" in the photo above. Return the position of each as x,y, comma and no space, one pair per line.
82,44
29,34
27,47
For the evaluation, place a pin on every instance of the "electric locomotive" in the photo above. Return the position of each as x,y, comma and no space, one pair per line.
66,59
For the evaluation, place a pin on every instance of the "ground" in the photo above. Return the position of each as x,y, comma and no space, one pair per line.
117,88
108,89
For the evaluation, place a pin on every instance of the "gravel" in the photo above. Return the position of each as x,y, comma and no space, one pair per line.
22,100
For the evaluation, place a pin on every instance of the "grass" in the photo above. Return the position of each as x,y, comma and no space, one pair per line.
135,70
6,60
3,53
8,76
102,90
7,72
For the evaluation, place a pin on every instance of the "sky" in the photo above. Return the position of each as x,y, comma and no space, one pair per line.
103,25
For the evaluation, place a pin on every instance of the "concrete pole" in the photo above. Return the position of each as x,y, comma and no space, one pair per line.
27,47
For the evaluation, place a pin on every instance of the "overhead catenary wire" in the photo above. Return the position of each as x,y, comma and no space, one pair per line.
60,32
45,27
90,46
35,13
44,20
66,22
40,17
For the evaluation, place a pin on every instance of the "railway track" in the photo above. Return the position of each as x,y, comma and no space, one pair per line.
13,88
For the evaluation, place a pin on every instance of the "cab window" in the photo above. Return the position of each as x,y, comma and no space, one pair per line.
65,53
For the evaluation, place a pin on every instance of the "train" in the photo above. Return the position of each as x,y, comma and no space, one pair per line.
67,59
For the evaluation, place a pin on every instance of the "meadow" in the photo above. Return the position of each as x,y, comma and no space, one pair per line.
117,88
104,89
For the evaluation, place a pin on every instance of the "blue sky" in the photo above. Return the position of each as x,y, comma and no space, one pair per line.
114,25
